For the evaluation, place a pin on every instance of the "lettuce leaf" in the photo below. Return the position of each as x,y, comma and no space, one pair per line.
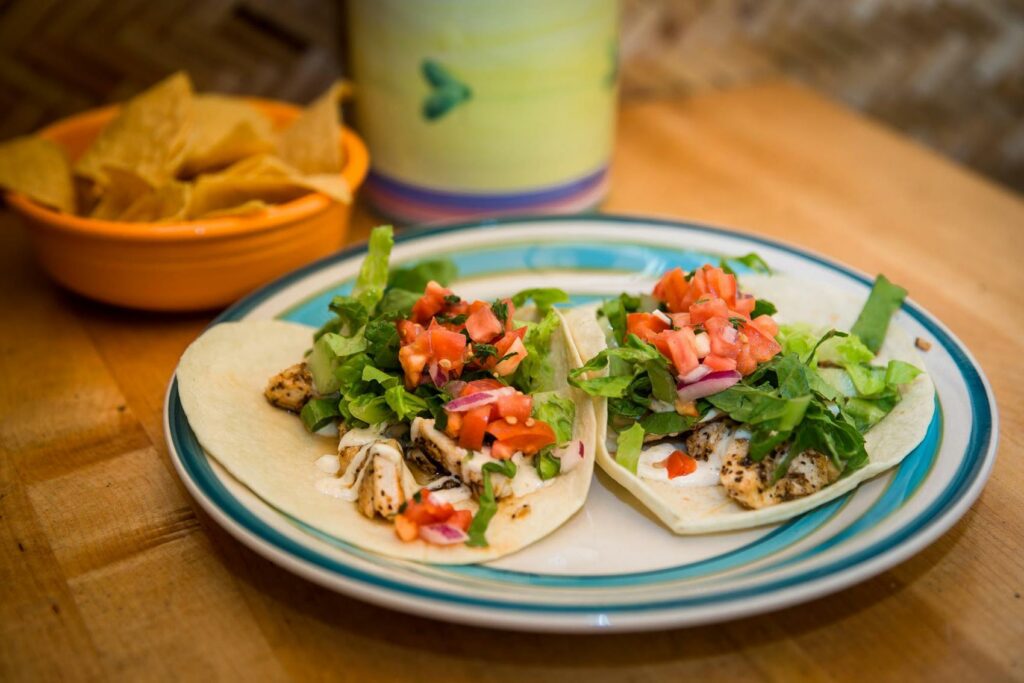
873,321
536,372
373,274
414,278
558,411
631,442
543,297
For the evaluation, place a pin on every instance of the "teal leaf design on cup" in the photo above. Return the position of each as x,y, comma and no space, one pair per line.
447,92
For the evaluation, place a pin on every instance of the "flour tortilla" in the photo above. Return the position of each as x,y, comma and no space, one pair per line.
221,378
699,510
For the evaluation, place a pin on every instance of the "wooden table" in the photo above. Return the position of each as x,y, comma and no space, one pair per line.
109,570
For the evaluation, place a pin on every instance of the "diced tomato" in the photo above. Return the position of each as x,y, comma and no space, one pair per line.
413,357
449,346
460,519
438,509
708,308
518,406
744,304
724,337
474,425
680,319
745,363
511,309
518,352
680,464
408,330
722,284
483,325
680,347
431,303
698,288
766,324
645,325
672,289
426,510
719,363
502,451
486,384
762,347
454,425
406,529
528,436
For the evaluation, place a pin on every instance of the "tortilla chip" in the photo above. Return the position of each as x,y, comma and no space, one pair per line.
310,143
263,177
150,136
225,130
125,188
250,207
169,202
38,169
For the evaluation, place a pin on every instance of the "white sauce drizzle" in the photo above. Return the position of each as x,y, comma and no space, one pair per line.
526,480
329,463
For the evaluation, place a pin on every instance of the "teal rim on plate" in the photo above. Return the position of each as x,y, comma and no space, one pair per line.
840,543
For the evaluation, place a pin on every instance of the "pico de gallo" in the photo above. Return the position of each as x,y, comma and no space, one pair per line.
704,387
440,401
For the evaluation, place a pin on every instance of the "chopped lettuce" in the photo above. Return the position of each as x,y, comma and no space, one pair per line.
405,405
373,274
631,442
543,297
548,466
873,321
488,504
558,411
753,261
319,412
536,372
414,278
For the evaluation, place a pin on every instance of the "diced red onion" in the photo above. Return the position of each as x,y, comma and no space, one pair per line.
698,373
570,456
660,315
442,533
455,387
730,334
480,398
438,375
708,385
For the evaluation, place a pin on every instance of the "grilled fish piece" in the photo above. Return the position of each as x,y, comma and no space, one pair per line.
705,438
380,487
291,388
748,482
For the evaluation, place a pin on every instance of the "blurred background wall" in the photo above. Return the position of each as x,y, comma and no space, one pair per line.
948,72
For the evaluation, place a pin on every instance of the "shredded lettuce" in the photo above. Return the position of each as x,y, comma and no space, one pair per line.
753,261
558,411
543,297
488,504
319,412
631,442
536,372
548,466
873,321
414,278
373,274
404,404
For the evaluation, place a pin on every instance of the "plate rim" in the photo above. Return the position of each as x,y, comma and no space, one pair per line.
556,618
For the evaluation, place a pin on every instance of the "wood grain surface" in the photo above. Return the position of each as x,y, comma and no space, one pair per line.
108,569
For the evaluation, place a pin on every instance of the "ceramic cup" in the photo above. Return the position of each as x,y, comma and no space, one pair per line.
484,108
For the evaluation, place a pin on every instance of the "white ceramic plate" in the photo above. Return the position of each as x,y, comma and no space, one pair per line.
613,566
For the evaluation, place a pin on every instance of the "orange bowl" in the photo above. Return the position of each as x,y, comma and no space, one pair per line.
187,265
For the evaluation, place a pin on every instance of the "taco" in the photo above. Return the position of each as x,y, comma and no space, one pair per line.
414,423
722,408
